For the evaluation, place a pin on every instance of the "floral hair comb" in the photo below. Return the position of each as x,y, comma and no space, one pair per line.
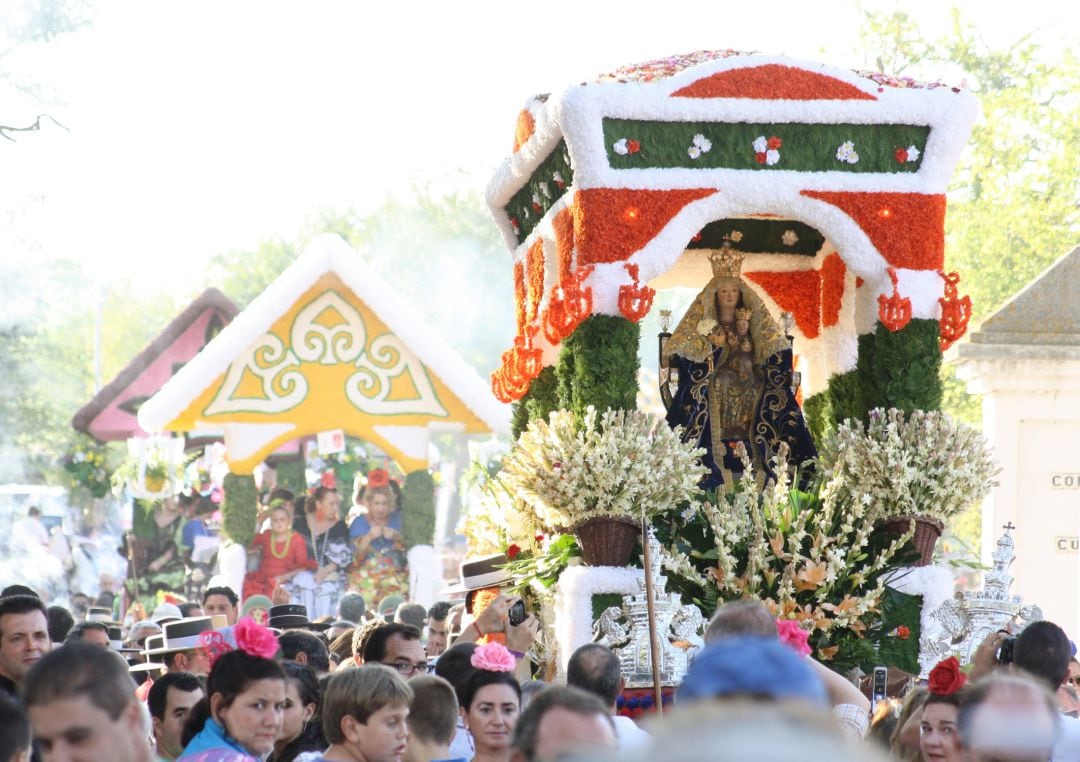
378,477
214,644
793,636
254,639
493,657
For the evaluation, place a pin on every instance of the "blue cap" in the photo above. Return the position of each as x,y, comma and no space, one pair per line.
749,665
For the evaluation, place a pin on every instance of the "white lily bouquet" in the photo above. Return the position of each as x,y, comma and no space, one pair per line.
616,464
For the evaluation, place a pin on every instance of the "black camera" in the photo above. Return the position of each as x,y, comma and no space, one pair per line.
1005,650
517,614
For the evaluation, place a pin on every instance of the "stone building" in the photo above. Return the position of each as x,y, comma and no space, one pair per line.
1025,362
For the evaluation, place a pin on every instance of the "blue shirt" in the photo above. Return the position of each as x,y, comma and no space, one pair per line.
213,744
192,529
361,526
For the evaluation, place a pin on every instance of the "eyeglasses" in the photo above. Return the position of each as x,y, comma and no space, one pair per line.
407,668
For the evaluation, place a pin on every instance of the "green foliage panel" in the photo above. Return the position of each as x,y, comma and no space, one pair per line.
239,508
901,370
541,399
804,147
418,509
598,365
603,601
759,236
546,186
897,610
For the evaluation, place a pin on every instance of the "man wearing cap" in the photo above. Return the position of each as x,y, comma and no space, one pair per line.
166,612
24,638
181,650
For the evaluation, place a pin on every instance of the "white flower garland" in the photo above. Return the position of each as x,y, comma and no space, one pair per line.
573,603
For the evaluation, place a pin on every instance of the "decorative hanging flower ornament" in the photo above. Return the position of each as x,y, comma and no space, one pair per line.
847,153
699,145
767,150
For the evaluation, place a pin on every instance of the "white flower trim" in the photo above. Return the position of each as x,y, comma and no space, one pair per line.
573,603
577,114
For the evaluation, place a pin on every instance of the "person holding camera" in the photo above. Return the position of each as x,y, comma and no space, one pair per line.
1043,651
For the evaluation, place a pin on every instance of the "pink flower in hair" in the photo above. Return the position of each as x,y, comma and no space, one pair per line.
254,639
793,636
493,657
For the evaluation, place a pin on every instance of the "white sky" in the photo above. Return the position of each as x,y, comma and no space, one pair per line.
201,126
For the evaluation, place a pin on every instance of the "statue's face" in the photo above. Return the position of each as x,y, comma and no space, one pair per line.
727,294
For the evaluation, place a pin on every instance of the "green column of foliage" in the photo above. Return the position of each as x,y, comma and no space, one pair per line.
418,509
900,370
541,399
598,365
239,508
903,368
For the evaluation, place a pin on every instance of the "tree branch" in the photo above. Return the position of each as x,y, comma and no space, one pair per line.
5,129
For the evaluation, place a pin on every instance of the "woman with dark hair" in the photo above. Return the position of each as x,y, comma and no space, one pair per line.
327,540
379,568
491,702
301,728
938,732
241,716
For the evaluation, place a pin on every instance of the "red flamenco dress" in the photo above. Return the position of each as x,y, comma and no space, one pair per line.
276,558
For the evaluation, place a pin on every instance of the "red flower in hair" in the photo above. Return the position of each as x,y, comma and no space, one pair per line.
946,677
378,477
328,480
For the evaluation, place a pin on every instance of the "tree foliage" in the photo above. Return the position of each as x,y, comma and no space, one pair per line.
1014,201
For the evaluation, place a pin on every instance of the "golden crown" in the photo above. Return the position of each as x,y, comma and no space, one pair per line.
743,313
726,262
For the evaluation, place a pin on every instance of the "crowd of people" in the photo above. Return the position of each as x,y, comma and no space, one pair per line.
213,684
307,549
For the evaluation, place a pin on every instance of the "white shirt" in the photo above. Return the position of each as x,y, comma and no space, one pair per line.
1067,748
629,735
462,746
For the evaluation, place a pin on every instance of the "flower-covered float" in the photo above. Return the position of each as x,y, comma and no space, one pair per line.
821,193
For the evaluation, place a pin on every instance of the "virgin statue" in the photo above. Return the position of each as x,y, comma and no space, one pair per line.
734,369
